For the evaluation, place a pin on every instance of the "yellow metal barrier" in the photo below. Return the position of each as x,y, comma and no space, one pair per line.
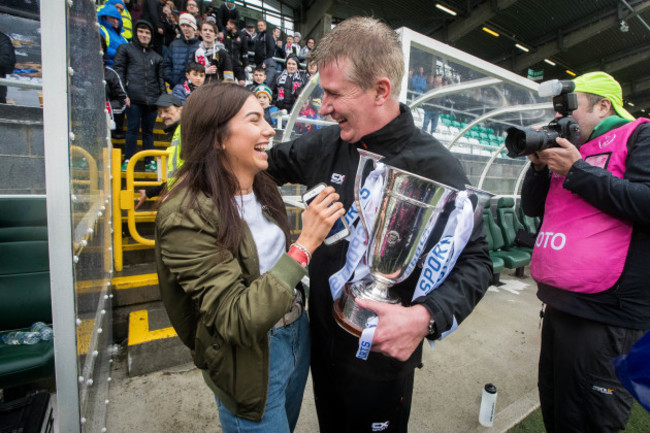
80,152
124,199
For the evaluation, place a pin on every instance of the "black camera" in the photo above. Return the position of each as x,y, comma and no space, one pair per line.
522,142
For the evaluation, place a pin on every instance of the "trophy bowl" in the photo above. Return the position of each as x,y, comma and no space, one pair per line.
409,212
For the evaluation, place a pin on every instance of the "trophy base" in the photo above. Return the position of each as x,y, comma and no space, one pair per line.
351,316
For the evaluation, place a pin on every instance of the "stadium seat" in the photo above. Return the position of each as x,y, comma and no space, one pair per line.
24,288
23,219
512,258
497,262
531,224
509,224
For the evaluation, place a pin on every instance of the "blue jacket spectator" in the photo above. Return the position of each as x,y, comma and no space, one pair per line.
127,26
110,27
181,51
419,81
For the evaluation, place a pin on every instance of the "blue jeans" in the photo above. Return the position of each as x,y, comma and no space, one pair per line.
288,370
432,117
135,115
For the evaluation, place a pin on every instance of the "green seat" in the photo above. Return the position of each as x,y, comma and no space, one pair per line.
23,256
23,211
509,223
23,219
513,259
497,262
531,224
23,233
25,300
24,288
20,365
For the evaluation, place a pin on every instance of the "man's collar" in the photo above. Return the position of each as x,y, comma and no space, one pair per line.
392,138
606,125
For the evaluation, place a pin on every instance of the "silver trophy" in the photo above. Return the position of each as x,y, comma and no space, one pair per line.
408,205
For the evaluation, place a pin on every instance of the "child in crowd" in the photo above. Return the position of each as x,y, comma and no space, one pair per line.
263,94
195,74
259,77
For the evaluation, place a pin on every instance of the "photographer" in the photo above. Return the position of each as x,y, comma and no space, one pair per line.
591,257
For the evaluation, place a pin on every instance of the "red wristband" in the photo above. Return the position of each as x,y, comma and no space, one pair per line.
298,255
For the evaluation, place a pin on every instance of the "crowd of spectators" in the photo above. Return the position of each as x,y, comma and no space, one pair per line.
189,46
421,82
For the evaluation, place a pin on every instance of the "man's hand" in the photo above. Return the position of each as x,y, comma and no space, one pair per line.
143,197
534,159
560,159
400,329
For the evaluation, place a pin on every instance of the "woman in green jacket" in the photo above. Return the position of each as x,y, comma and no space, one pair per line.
228,277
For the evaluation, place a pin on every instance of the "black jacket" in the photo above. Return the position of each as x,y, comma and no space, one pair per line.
233,44
140,69
264,47
247,47
322,156
287,92
115,93
7,55
152,12
627,304
224,14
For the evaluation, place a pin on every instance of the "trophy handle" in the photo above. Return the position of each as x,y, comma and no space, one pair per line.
364,158
482,197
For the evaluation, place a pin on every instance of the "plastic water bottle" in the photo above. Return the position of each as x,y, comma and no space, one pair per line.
488,405
42,329
18,338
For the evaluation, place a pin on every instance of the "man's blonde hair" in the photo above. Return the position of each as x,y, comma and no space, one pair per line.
373,49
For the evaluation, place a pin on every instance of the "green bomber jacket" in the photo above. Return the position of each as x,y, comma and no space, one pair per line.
219,304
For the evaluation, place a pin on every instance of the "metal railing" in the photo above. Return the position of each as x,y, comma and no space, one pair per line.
124,199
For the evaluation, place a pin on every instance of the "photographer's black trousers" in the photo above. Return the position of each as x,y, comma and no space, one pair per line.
578,388
346,403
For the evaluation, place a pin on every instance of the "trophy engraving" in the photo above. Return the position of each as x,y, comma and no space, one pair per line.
408,217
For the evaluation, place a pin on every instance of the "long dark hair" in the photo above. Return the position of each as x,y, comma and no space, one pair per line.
205,124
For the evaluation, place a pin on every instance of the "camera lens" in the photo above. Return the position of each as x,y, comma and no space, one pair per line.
522,142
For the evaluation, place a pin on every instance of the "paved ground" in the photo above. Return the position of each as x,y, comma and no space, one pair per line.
498,343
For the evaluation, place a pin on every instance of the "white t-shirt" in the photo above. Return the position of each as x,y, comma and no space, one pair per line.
269,238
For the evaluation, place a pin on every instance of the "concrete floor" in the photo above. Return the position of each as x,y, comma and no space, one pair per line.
498,343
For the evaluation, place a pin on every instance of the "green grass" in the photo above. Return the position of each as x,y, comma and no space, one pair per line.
639,422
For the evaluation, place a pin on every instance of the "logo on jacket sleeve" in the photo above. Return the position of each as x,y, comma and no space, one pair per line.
337,178
380,426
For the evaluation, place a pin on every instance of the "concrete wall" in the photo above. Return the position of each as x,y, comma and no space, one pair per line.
22,160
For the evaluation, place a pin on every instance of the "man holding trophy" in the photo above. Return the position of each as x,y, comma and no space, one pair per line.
416,262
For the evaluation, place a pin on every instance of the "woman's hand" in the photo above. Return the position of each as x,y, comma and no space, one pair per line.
319,217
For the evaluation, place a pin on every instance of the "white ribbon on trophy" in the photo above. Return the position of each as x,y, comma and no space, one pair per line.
370,195
443,256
